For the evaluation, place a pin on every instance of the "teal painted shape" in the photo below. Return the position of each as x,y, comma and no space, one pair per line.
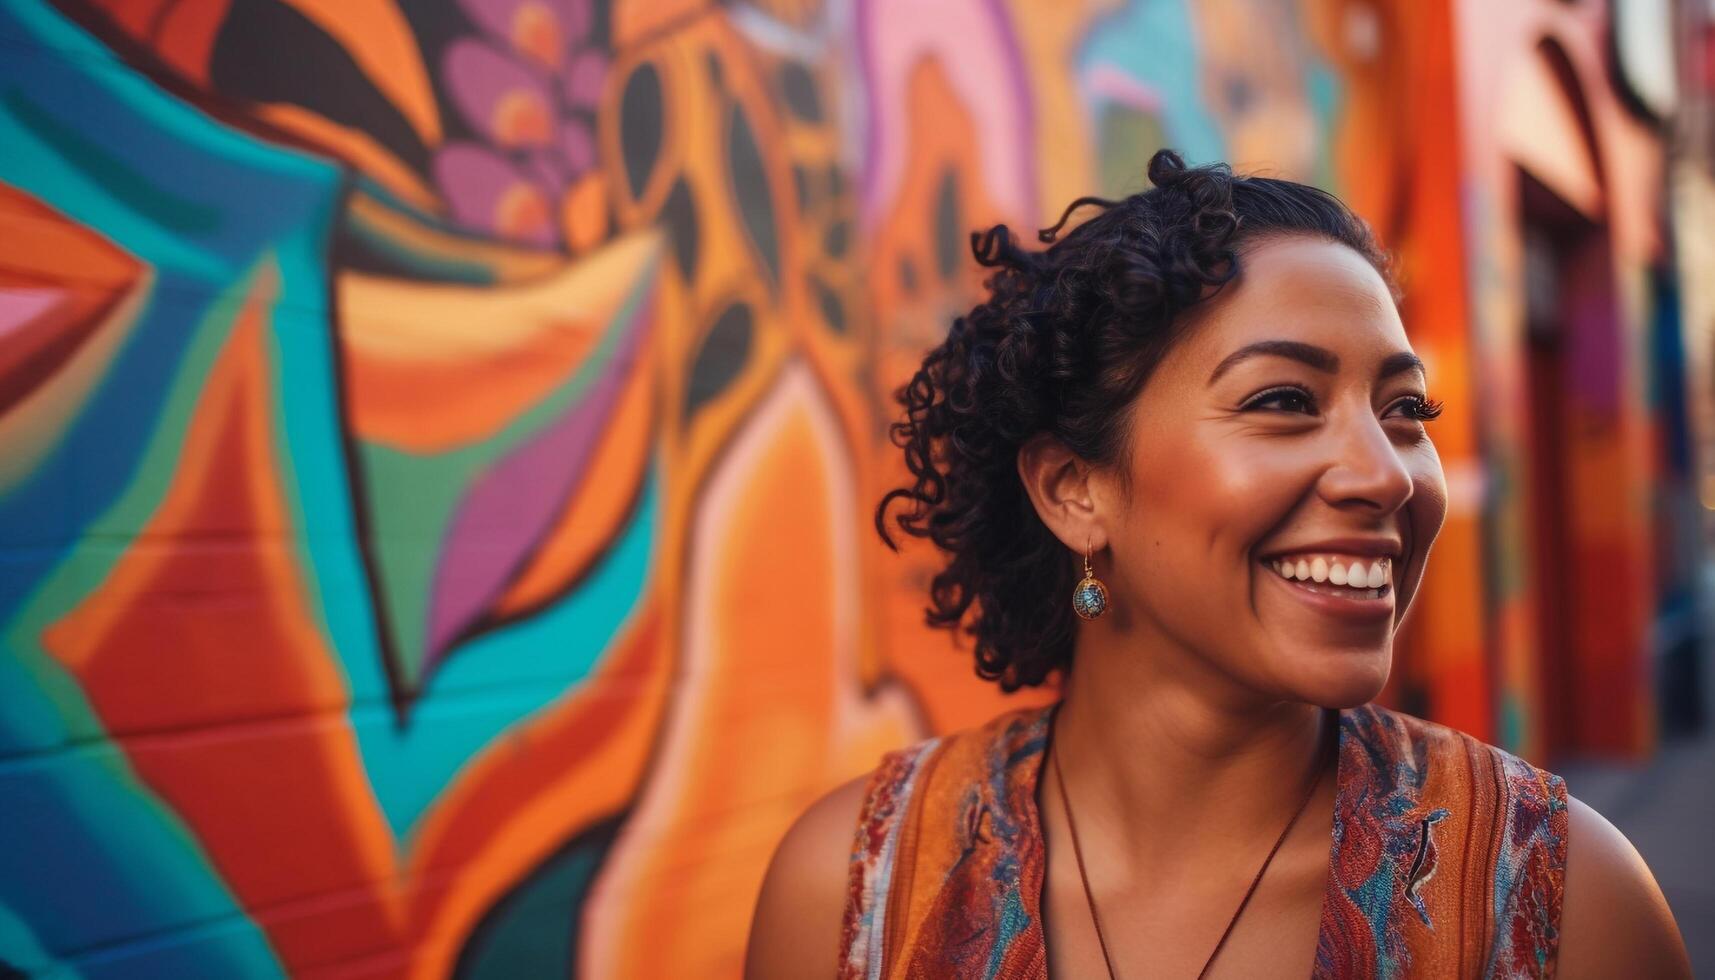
1515,716
1153,42
1327,98
533,931
21,950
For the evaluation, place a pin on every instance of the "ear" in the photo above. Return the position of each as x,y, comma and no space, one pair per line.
1059,484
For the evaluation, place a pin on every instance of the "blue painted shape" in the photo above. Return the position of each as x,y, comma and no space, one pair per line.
72,882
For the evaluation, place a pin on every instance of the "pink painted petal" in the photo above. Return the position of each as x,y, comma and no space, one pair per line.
585,77
486,193
498,97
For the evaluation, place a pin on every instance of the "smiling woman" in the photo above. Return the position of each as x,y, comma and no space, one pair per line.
1204,396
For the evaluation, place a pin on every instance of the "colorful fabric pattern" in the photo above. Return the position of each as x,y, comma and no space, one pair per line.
1447,857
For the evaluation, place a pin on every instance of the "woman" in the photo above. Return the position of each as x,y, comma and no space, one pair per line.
1180,459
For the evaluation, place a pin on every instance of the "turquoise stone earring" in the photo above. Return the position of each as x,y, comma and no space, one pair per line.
1090,598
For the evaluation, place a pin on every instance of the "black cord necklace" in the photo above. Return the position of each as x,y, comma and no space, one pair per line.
1089,895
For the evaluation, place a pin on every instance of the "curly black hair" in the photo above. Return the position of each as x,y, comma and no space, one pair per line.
1063,343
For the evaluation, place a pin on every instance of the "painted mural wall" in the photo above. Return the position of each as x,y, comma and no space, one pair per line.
1575,332
439,441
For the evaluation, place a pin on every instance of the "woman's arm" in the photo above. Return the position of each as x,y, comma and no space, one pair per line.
1614,921
796,929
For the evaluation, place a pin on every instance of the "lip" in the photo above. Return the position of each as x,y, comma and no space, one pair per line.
1364,547
1339,607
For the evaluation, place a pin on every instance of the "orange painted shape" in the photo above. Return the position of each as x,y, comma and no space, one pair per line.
394,400
635,23
39,244
430,368
937,665
583,212
764,691
379,38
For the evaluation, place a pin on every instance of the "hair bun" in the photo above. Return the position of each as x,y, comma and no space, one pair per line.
1166,168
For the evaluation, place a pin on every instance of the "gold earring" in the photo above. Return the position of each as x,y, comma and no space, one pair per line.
1090,598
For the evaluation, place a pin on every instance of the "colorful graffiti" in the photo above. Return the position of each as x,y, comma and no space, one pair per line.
437,440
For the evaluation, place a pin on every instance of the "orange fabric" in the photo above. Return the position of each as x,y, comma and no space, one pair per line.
1447,857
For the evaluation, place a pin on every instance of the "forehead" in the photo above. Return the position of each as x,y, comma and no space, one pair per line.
1305,289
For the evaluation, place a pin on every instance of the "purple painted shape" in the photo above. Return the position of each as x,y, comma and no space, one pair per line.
508,509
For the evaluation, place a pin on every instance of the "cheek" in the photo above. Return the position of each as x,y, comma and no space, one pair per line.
1214,499
1427,509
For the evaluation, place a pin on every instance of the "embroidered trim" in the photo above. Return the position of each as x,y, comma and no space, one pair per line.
879,822
1529,874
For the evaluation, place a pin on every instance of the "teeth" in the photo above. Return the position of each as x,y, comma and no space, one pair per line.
1354,574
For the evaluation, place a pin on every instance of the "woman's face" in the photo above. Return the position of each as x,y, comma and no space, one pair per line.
1279,470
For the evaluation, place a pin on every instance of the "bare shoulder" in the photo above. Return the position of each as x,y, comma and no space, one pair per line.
795,931
1613,919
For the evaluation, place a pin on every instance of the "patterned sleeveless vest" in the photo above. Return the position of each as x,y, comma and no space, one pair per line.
1447,857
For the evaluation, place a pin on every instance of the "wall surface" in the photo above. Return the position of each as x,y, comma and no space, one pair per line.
439,441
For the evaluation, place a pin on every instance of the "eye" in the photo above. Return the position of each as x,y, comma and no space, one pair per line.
1287,398
1419,408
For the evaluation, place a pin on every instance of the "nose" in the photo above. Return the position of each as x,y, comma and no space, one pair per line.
1367,470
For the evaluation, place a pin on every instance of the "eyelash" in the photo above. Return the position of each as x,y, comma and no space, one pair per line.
1422,408
1257,401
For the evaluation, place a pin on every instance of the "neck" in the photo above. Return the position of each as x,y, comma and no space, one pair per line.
1173,762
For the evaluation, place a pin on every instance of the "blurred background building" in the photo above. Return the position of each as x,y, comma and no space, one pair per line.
439,440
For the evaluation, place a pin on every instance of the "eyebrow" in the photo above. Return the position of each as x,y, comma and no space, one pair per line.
1320,358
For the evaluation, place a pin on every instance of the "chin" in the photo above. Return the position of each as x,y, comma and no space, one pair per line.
1342,678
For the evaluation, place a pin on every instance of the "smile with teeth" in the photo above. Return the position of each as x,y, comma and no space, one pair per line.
1342,575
